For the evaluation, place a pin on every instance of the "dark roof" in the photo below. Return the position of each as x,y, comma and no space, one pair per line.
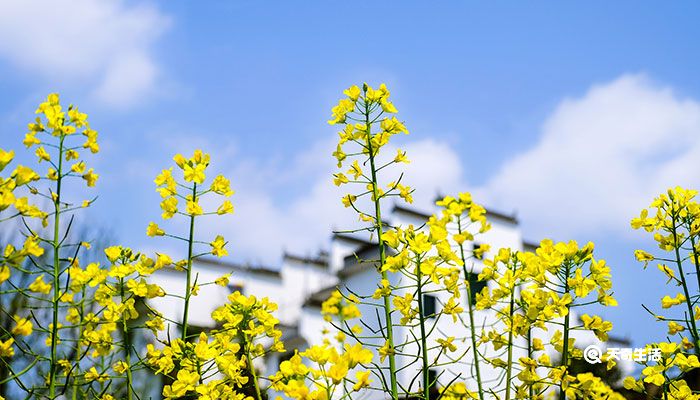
355,268
316,299
528,244
255,269
411,211
364,258
424,215
366,252
352,238
320,261
290,335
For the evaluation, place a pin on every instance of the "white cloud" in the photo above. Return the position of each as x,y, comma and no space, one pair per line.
435,169
269,219
598,160
105,44
601,158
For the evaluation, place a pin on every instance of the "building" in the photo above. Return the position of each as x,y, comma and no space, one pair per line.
301,283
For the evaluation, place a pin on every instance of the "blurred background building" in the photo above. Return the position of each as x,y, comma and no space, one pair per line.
303,282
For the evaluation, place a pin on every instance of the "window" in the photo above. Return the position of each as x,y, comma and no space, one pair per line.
432,380
284,357
475,286
236,287
193,332
478,251
429,306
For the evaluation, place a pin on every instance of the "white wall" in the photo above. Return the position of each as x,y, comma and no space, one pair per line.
211,296
299,281
299,278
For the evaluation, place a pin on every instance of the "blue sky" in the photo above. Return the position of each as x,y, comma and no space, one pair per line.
571,116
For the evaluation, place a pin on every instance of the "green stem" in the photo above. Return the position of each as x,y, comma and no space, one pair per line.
511,311
470,309
382,258
341,321
188,289
254,374
127,348
565,345
679,263
664,387
696,259
529,355
81,329
423,338
56,273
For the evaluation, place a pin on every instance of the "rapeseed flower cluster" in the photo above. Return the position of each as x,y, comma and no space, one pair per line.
323,372
463,221
191,191
535,293
529,290
664,372
368,124
412,263
673,218
55,135
218,364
